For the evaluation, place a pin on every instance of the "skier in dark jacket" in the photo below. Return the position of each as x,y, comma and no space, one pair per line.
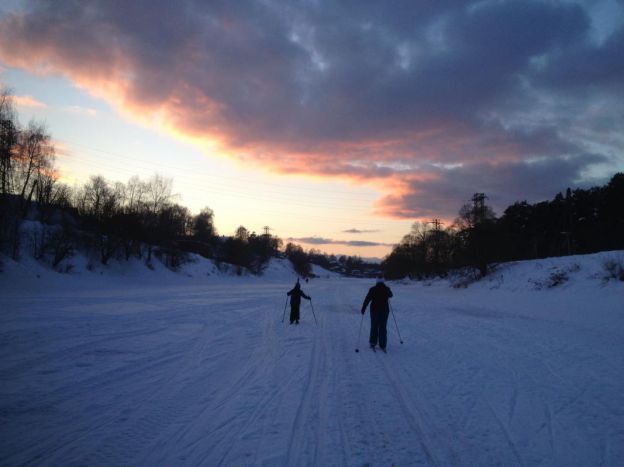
295,300
378,296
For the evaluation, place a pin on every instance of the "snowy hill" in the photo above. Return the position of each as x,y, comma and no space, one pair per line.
567,272
127,365
27,272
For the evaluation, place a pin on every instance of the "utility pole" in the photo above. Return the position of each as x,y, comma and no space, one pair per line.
437,225
267,230
478,208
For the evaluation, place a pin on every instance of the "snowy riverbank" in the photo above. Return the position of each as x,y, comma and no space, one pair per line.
150,367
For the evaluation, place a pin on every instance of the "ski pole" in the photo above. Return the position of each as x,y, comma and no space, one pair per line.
357,348
313,314
285,305
395,322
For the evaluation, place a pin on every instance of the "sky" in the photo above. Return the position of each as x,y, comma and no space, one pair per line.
337,124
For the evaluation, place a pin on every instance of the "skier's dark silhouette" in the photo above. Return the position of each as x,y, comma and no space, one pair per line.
378,296
295,300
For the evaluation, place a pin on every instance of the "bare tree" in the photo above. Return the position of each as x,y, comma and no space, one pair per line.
61,195
8,142
8,138
203,225
45,187
134,194
158,193
120,194
95,195
34,159
242,234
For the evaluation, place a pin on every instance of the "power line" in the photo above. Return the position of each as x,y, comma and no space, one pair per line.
139,162
126,158
216,188
340,220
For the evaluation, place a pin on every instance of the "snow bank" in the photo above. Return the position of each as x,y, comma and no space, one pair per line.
29,273
564,272
561,273
125,365
82,269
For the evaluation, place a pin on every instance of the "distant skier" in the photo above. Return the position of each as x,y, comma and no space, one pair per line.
295,300
378,296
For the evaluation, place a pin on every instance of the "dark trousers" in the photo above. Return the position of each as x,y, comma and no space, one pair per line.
379,320
294,313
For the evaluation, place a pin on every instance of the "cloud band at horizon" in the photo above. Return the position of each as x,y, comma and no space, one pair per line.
330,241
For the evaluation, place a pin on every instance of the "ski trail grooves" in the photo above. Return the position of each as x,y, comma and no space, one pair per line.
155,413
505,431
303,412
411,415
208,375
240,416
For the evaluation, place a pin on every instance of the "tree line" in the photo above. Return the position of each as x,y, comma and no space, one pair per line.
142,218
137,219
113,220
578,222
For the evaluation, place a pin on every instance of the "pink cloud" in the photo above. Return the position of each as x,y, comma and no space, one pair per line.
29,101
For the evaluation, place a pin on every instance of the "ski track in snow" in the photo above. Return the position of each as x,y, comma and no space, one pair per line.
208,375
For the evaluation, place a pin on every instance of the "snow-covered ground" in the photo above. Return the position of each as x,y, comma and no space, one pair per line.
125,365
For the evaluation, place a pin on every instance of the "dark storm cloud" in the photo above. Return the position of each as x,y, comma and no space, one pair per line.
587,65
504,183
412,96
